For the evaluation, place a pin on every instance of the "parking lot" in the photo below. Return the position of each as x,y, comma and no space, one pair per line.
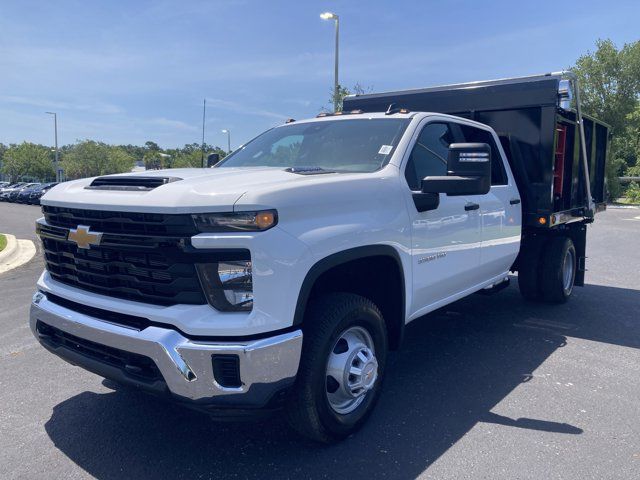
488,387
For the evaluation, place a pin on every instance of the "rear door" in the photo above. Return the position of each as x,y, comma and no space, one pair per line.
446,242
500,209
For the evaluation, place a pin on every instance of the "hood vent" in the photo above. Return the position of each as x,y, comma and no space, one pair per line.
308,170
130,183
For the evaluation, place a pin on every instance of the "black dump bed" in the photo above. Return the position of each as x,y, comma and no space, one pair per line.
538,131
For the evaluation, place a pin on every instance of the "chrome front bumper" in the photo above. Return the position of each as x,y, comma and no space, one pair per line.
266,365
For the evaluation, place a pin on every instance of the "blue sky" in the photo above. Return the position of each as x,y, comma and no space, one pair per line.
131,71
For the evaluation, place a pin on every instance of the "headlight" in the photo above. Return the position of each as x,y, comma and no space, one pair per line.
228,285
236,221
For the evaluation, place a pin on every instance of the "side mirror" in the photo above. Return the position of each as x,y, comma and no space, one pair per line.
212,159
468,171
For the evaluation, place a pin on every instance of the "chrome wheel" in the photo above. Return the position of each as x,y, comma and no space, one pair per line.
352,370
568,268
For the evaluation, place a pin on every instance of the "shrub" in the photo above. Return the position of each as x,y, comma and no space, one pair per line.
633,192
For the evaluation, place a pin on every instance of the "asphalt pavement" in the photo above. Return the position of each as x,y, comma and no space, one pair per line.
488,387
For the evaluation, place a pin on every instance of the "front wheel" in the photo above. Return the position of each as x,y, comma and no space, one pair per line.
340,376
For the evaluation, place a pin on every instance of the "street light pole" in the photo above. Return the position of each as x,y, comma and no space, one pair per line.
204,114
228,132
55,128
336,84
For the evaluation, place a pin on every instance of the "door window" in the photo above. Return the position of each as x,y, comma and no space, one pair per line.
478,135
429,154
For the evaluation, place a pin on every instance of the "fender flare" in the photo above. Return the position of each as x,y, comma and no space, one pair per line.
339,258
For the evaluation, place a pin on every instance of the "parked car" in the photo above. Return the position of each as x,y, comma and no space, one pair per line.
282,276
6,191
4,184
32,195
13,194
23,194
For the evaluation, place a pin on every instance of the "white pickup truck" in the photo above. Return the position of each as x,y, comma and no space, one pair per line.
282,276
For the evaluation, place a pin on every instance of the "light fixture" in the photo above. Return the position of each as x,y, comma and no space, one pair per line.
228,285
236,221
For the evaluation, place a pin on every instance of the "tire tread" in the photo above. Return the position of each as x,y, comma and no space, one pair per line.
323,314
551,281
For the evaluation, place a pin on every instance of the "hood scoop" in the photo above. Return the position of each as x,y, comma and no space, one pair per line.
130,183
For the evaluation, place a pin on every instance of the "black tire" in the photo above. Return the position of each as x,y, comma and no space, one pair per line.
559,255
308,410
529,270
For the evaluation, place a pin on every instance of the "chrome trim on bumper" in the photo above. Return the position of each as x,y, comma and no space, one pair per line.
186,365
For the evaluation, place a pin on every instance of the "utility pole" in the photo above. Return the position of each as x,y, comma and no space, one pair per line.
204,114
55,128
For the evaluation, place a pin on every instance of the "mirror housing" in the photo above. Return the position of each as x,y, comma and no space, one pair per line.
468,171
212,159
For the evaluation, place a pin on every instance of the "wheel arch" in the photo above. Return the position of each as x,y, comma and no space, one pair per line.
393,306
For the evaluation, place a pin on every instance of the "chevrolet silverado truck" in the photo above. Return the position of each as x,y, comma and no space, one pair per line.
281,277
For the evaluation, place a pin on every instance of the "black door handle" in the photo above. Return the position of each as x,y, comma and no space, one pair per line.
471,206
514,201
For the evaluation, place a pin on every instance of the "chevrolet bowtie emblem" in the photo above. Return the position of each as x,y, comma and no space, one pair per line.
82,237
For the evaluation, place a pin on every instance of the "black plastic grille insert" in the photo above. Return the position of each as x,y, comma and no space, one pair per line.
133,223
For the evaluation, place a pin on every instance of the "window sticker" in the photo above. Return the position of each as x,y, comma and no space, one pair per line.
385,149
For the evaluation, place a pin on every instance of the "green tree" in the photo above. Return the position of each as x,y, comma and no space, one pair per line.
152,146
191,159
3,148
610,90
343,91
136,151
190,156
633,193
28,161
630,144
610,81
154,161
89,158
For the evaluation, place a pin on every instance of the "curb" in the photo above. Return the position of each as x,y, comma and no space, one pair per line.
623,207
16,253
9,248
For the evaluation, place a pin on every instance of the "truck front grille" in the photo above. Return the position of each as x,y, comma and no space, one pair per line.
141,257
145,276
131,223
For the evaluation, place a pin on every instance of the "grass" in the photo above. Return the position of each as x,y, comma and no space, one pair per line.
626,201
3,242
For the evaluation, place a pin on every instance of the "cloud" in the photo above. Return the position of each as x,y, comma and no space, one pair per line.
94,107
119,129
52,59
305,66
176,124
239,108
299,102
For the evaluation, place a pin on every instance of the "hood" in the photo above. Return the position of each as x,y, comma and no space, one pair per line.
191,190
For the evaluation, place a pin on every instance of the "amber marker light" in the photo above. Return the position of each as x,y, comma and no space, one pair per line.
265,219
542,220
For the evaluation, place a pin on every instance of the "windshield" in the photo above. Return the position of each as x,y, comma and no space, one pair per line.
358,145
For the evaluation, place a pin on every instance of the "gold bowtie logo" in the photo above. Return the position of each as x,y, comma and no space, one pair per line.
82,237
